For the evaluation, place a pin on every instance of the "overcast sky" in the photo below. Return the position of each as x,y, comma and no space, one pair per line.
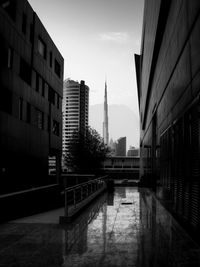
97,38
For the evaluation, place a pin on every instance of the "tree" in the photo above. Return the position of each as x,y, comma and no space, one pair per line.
87,151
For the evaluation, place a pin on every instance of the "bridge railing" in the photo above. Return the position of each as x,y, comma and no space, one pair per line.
77,194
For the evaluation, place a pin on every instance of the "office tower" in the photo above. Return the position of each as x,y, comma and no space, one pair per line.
168,72
121,147
31,77
112,147
75,110
105,122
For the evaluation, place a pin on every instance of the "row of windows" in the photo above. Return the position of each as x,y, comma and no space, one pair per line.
71,127
72,118
67,115
72,93
71,115
42,49
73,102
71,122
72,87
28,113
67,107
10,8
71,108
72,112
72,98
25,73
37,117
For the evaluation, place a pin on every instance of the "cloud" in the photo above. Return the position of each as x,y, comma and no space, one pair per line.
117,37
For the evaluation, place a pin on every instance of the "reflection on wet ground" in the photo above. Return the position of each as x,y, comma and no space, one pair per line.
127,228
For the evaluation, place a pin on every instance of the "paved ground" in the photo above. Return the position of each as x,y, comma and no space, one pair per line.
129,228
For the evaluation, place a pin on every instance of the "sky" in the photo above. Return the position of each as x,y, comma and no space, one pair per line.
98,40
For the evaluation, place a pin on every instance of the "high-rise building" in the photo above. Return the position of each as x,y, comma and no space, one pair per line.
112,147
75,110
31,78
121,147
105,122
168,77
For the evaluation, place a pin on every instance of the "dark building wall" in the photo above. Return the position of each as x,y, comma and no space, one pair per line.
31,94
169,90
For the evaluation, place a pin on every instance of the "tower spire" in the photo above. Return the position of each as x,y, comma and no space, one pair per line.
105,122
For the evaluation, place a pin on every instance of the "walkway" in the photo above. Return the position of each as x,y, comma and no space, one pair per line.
129,228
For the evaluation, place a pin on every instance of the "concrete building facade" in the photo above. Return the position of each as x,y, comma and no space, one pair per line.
31,78
75,110
168,77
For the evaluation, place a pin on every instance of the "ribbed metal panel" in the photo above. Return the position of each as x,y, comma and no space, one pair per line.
194,204
195,168
180,166
186,203
180,197
175,192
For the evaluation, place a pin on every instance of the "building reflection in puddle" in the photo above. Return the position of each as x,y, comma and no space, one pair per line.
76,232
127,228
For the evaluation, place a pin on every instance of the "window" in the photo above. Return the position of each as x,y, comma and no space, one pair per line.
58,101
51,95
49,124
10,57
20,108
42,48
43,87
37,85
55,128
50,59
25,71
24,23
6,101
28,112
57,68
39,119
10,7
31,33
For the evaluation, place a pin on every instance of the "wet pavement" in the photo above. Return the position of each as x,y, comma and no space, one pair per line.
127,228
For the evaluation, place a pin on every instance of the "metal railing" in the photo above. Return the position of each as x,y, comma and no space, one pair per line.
76,194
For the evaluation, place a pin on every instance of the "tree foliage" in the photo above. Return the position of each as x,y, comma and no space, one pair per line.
86,151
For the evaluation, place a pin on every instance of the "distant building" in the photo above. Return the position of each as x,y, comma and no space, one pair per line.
112,147
75,110
168,78
121,147
105,122
31,78
133,152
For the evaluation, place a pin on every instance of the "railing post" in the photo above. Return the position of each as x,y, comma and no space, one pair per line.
66,204
81,193
74,197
